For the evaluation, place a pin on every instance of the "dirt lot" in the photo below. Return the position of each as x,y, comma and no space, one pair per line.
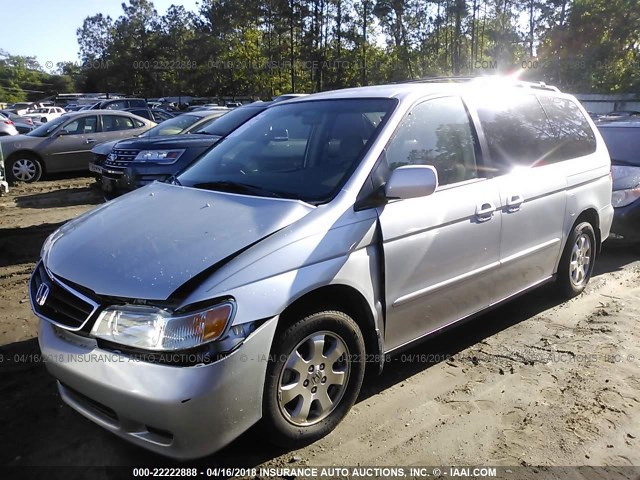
532,383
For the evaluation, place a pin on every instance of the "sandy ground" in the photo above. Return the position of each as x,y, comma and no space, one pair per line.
535,382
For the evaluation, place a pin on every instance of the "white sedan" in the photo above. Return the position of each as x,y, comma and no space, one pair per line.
46,114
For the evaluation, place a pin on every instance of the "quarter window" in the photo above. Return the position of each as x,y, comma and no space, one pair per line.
517,130
573,135
438,133
119,105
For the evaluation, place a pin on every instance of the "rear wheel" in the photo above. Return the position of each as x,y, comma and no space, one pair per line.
313,378
24,168
578,258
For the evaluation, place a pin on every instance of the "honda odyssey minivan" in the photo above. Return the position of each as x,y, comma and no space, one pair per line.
326,233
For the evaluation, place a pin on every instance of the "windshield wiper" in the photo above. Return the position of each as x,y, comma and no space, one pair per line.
173,180
237,187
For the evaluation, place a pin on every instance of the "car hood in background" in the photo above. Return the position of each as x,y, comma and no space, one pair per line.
13,143
104,148
167,141
148,243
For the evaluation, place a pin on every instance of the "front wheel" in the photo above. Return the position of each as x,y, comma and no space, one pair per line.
313,378
578,258
24,168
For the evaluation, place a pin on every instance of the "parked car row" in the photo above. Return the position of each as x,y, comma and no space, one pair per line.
7,127
15,118
45,114
174,126
136,162
123,165
64,144
12,124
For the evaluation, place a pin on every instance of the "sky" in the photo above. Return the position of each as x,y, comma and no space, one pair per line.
46,29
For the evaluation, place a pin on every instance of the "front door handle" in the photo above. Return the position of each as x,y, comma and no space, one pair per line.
91,140
484,211
514,202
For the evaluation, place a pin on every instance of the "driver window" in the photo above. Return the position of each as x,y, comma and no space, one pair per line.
436,132
81,126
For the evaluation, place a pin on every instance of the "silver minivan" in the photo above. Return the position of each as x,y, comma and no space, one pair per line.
320,237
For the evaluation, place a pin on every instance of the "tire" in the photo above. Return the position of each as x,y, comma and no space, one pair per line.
577,261
44,120
24,168
336,336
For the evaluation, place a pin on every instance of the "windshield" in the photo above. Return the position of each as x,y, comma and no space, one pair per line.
227,124
46,129
301,151
623,144
201,127
172,126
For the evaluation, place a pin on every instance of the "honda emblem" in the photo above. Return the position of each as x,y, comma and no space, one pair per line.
42,294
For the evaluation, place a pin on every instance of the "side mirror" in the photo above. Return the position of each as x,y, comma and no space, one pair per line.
411,181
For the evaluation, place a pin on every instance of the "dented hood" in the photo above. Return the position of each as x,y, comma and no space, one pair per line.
148,243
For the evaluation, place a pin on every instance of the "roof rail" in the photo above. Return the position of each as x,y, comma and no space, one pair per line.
513,82
439,79
518,83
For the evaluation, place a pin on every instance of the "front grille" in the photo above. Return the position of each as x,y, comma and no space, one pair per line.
120,158
61,305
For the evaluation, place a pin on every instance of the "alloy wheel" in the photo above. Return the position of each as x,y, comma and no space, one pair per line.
314,378
580,260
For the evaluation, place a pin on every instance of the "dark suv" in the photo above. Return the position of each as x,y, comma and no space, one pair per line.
623,142
136,162
120,104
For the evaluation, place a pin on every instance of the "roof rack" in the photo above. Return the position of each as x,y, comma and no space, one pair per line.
479,79
439,79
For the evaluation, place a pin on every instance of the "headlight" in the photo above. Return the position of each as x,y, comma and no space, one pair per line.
159,156
622,198
155,329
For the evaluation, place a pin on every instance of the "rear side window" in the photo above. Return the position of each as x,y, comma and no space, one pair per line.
574,137
114,123
119,105
142,113
517,130
438,133
137,103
